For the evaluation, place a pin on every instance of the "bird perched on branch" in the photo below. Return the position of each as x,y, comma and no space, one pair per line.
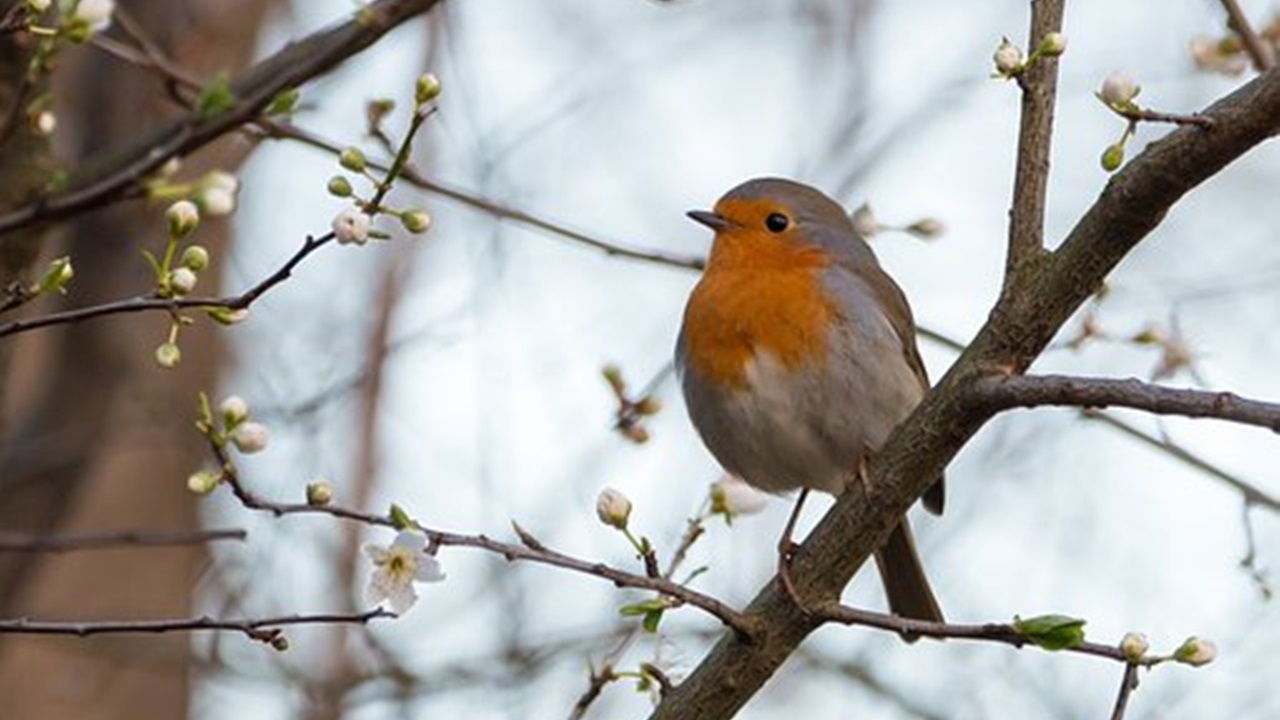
797,358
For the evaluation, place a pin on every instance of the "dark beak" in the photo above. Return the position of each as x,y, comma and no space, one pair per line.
708,218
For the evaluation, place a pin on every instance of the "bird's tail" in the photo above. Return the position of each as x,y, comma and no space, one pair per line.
903,576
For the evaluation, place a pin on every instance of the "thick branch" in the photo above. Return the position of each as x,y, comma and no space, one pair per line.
1003,393
1035,135
297,63
1019,328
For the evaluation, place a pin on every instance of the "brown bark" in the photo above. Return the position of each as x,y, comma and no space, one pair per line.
100,441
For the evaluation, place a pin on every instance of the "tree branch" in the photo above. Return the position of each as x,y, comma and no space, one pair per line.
265,630
115,176
1017,331
1039,86
1260,52
143,303
1026,391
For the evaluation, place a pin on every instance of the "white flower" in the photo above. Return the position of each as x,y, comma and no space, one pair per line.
1119,89
352,226
1134,645
182,281
96,14
1196,652
203,482
234,410
730,496
217,192
250,437
613,508
1008,58
397,567
183,217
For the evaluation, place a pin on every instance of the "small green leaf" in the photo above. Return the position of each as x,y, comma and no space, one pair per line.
216,97
651,620
400,519
1052,632
284,103
644,607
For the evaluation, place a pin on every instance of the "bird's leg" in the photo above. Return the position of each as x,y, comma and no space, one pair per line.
787,549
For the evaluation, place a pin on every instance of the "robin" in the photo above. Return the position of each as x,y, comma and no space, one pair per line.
797,357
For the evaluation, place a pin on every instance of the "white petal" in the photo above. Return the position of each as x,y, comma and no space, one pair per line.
402,597
428,570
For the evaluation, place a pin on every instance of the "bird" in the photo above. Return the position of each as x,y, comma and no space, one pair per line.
797,358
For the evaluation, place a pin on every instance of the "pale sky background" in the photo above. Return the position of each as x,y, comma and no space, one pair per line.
618,117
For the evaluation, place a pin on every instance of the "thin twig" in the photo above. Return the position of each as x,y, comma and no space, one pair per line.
1128,684
831,611
1027,391
1137,114
529,552
1260,52
1251,493
261,629
1039,86
23,542
143,303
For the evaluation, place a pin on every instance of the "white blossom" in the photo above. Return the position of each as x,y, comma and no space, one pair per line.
613,508
234,410
217,192
397,567
730,496
1196,651
351,226
1134,645
96,14
1008,58
1119,89
250,437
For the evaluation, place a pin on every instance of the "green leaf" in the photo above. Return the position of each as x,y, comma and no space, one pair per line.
644,607
284,103
216,97
1052,632
651,620
400,519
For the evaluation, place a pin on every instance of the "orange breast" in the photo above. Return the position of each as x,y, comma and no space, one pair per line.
757,293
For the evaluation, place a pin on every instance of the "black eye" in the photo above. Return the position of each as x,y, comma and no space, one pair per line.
776,222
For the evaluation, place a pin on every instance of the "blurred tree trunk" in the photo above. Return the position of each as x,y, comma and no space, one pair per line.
98,437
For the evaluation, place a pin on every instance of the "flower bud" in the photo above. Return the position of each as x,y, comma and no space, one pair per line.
340,186
234,410
926,228
38,5
227,316
730,496
250,437
1134,645
1119,89
1053,45
45,122
183,217
56,276
217,193
182,281
427,89
352,159
195,258
95,15
203,482
613,508
864,221
351,226
415,221
1196,651
1113,157
319,493
1008,58
168,355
